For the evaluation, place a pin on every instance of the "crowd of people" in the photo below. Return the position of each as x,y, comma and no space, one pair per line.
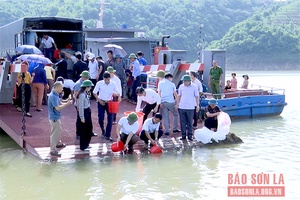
215,81
231,85
95,79
112,80
183,104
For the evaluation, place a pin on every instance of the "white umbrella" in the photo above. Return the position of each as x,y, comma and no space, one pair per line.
116,49
29,49
35,58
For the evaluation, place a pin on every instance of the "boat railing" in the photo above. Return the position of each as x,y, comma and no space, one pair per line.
255,90
271,90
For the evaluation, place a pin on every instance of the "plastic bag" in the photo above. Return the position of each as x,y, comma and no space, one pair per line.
224,123
205,135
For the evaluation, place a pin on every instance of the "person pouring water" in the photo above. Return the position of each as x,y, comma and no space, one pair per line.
151,130
126,130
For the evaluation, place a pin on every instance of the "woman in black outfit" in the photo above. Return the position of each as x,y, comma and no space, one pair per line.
27,87
85,125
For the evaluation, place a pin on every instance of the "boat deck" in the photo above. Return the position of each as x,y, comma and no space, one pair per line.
37,138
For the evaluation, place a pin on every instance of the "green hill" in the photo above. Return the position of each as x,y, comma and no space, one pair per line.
256,35
267,40
179,18
287,14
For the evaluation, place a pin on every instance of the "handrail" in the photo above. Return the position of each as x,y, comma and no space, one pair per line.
272,89
249,92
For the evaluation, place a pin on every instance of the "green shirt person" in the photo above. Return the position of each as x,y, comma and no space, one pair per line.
215,76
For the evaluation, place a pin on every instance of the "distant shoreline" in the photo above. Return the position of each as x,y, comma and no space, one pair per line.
263,62
266,68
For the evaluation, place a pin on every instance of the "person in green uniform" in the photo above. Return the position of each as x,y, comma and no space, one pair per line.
215,75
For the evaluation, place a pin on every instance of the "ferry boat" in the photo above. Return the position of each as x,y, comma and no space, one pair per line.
259,101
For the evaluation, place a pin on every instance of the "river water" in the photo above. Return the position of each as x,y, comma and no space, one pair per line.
271,146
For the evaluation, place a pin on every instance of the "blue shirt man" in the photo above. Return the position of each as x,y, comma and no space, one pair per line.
136,73
77,85
136,69
54,107
39,75
85,75
53,102
141,59
167,91
32,65
32,38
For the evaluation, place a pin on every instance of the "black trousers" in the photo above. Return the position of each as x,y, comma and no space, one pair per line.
85,130
147,109
78,121
152,135
211,122
196,117
27,97
136,83
94,81
115,99
134,139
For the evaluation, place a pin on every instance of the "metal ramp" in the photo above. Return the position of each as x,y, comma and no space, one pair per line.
177,74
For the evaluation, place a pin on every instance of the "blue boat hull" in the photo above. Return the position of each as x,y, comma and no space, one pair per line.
251,106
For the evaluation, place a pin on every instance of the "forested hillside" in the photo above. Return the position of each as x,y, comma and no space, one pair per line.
254,32
269,39
179,18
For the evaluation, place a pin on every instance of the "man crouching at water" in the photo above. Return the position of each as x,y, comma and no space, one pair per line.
151,130
126,130
54,108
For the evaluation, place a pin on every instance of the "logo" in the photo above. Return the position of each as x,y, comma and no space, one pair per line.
256,185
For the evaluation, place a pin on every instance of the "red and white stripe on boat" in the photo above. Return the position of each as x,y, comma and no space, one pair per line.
167,67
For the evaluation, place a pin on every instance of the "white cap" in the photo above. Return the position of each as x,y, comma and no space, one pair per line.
78,53
87,54
91,56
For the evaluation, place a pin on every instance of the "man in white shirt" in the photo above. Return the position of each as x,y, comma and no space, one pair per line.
168,94
68,87
104,92
151,98
93,67
188,98
151,131
200,90
47,43
114,78
117,81
126,130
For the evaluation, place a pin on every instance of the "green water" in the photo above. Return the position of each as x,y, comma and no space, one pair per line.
271,145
